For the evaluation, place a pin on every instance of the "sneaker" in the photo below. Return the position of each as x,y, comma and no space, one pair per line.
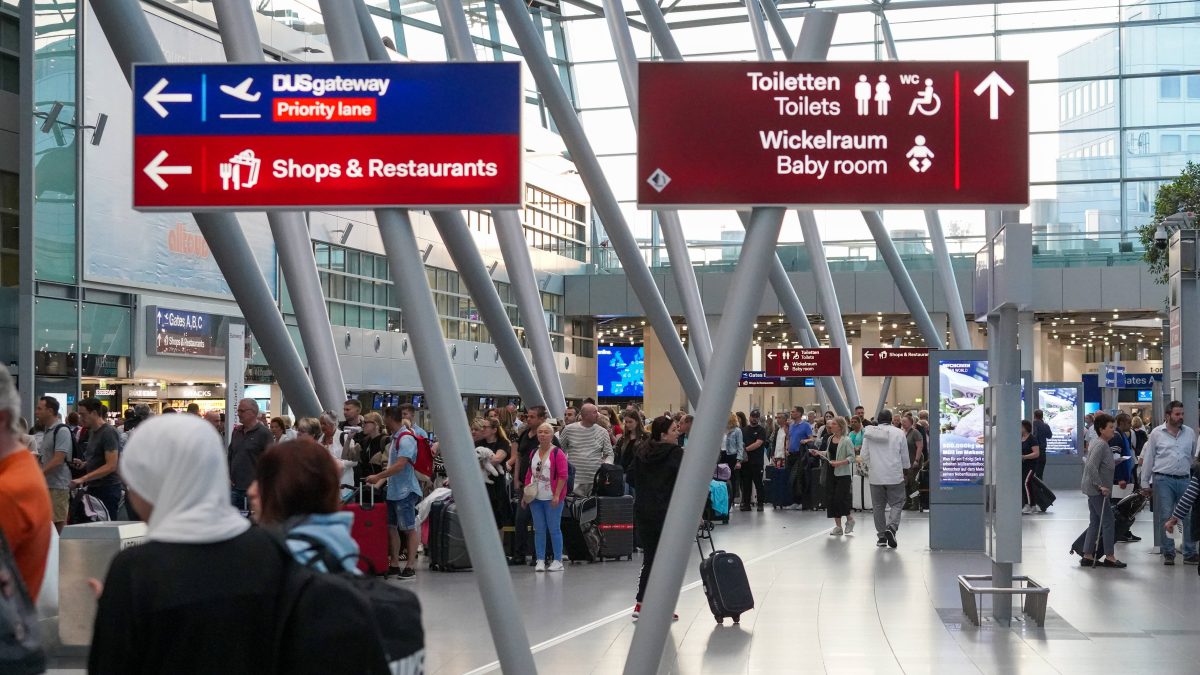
1191,560
882,542
407,573
555,566
836,532
1169,561
637,610
391,572
1131,537
849,525
1026,510
890,537
540,566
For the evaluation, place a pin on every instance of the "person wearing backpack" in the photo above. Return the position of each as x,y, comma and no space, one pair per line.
209,593
403,494
57,448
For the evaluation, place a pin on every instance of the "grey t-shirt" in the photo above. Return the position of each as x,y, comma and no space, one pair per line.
57,439
244,450
102,441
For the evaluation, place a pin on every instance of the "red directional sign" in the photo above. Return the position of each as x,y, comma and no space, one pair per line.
895,362
822,362
836,134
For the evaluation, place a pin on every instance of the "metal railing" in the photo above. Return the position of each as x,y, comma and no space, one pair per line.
1072,249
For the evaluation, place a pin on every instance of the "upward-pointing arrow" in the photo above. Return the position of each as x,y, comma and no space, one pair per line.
995,84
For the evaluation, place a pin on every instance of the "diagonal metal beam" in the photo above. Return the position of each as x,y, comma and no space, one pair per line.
904,282
672,229
348,37
128,33
511,234
733,337
289,229
603,199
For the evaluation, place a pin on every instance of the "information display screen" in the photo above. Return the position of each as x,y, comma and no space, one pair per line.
1060,407
620,371
961,421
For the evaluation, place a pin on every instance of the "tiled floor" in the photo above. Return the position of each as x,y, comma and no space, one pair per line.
840,605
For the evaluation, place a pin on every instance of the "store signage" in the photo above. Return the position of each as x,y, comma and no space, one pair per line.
141,393
263,136
259,374
760,378
833,134
895,362
103,393
819,362
179,332
206,391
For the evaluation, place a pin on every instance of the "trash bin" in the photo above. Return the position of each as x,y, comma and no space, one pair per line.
85,552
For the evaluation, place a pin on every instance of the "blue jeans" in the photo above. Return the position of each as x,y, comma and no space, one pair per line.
110,495
546,518
1168,490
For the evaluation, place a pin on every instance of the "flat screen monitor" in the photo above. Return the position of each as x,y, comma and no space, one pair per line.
960,421
1145,396
1060,411
620,372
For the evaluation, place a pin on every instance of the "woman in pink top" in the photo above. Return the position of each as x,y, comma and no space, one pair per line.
548,470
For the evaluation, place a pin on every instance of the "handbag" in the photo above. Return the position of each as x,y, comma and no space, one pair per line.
21,650
531,490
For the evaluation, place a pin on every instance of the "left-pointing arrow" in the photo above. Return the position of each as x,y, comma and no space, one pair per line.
156,170
156,98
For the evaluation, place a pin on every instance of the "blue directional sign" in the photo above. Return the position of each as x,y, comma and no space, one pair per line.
229,136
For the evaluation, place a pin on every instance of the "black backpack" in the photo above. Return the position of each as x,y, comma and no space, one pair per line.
75,473
397,611
609,481
20,633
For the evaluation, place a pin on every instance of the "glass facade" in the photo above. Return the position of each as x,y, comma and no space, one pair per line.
360,293
552,223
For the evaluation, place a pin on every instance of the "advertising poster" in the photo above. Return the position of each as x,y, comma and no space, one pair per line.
960,421
1061,410
620,371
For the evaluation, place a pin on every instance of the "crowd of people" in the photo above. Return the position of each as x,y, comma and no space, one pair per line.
202,498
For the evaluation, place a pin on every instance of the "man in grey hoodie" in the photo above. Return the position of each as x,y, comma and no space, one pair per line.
885,452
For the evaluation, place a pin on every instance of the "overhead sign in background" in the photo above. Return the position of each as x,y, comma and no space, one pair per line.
895,362
819,362
265,136
760,378
834,134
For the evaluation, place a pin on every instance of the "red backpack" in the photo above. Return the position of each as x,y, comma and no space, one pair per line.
424,463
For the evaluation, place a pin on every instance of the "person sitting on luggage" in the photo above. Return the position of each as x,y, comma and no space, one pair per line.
1030,451
548,471
201,594
297,492
1097,484
656,464
838,449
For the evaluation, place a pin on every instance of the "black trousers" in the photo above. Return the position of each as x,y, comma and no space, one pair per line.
752,476
648,533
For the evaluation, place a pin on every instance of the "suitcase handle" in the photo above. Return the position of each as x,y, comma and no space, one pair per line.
705,532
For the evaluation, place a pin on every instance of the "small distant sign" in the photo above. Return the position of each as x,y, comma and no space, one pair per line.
817,362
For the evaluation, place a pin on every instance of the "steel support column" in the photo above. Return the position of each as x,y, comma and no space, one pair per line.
733,337
132,41
827,299
943,268
347,40
603,199
672,229
781,32
511,234
242,44
904,283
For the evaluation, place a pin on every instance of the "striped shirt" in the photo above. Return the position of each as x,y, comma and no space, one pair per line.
587,448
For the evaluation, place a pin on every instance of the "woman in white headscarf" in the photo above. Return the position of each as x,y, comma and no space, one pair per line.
199,596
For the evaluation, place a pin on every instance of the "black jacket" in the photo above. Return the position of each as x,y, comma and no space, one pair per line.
656,466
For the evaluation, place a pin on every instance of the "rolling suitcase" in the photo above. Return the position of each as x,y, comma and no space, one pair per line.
724,578
369,531
447,545
779,489
860,489
581,540
1042,496
614,524
814,493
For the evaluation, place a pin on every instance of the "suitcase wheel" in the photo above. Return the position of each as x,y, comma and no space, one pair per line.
720,620
737,618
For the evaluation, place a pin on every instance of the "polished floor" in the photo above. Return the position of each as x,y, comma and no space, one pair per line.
839,605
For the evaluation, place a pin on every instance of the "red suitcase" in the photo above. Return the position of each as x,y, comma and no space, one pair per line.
370,532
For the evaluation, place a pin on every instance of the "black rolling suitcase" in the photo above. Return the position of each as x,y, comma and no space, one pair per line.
1043,497
778,487
614,523
447,545
724,579
1124,512
581,540
814,494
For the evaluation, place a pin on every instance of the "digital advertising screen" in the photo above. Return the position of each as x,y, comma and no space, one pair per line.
620,372
1060,408
961,421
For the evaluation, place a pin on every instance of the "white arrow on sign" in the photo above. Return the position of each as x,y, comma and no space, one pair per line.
994,84
156,170
868,354
156,98
770,355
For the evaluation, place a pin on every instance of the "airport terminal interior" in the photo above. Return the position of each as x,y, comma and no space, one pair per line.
819,216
